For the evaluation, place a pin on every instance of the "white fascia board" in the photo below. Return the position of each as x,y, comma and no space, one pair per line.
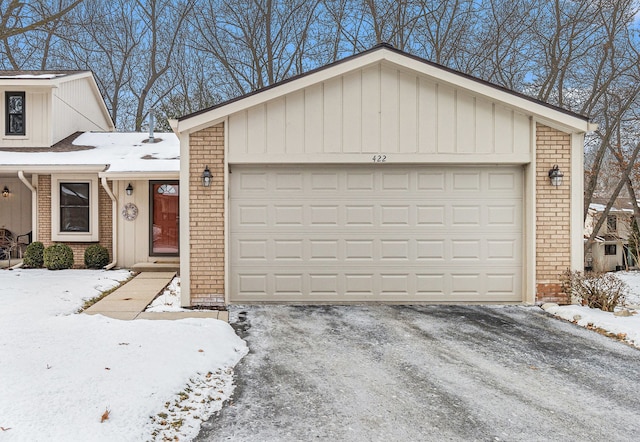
54,168
155,175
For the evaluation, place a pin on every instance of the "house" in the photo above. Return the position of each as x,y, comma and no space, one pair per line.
610,251
68,178
381,177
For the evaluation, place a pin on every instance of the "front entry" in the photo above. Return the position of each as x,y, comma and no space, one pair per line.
165,210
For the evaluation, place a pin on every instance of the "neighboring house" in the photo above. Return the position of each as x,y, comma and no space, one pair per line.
67,185
381,177
610,251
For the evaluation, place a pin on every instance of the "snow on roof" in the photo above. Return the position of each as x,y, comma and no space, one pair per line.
600,208
32,77
122,152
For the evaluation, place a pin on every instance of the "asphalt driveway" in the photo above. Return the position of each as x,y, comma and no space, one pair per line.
426,373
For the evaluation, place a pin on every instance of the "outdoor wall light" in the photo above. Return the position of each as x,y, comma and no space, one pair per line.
5,192
129,189
555,176
206,177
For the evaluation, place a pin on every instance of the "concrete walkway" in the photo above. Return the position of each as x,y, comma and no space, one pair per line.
129,301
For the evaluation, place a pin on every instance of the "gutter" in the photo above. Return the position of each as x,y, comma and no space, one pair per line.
34,205
114,224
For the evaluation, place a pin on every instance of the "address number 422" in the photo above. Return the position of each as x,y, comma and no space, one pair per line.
379,158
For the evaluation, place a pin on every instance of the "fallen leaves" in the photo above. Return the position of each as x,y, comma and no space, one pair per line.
4,429
105,415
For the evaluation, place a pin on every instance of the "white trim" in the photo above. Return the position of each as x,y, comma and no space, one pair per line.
155,175
227,229
185,249
577,202
93,234
114,224
54,168
530,217
391,158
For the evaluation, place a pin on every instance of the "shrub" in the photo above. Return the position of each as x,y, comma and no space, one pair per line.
58,257
33,255
595,289
96,256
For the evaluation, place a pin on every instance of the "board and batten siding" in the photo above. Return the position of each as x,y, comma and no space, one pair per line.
74,110
37,125
380,109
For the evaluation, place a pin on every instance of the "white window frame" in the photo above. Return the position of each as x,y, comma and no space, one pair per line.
93,234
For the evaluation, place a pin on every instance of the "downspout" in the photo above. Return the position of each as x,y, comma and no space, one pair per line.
34,198
114,223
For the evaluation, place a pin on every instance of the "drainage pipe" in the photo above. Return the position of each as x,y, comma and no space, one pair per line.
114,224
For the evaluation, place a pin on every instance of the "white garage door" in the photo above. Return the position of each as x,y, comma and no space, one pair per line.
385,233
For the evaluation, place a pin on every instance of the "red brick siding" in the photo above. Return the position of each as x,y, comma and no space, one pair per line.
105,225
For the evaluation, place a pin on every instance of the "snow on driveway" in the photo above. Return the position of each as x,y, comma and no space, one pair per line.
61,372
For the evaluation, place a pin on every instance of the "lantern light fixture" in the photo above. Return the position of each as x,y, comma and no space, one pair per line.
206,177
129,189
5,192
555,176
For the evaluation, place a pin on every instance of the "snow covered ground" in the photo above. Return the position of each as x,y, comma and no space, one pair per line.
71,377
626,328
75,377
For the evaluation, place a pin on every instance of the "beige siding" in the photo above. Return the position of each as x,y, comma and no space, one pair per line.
133,236
37,126
76,108
553,214
15,210
377,109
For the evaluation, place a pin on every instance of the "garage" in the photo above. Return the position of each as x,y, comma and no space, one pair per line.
381,233
381,177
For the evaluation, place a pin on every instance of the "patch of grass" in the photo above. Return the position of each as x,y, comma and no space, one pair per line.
89,302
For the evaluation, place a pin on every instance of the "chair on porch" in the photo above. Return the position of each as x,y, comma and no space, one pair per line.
22,242
7,244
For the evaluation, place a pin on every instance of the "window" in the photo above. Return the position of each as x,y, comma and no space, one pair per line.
74,207
15,109
612,224
610,249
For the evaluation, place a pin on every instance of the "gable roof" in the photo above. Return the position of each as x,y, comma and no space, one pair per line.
382,52
51,79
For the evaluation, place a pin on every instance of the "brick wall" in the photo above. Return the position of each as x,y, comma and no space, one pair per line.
105,225
553,209
206,217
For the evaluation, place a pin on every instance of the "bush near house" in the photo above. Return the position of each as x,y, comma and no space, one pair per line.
58,257
96,256
595,289
33,255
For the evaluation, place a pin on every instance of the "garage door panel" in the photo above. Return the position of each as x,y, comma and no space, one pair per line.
397,234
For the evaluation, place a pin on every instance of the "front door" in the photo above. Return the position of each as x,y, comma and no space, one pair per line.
165,211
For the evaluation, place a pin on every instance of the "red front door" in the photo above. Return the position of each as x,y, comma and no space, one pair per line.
165,211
